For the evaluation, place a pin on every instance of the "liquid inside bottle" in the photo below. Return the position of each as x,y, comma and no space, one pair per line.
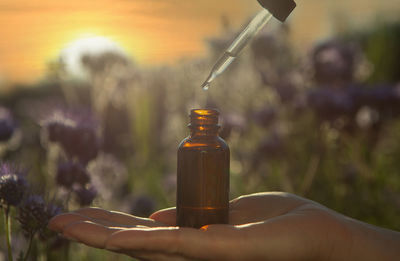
203,173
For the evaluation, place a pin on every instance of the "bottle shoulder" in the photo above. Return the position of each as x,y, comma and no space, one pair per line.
190,143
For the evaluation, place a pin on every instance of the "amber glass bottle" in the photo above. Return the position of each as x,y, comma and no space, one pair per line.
203,173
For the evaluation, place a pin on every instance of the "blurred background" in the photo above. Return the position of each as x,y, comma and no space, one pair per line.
95,97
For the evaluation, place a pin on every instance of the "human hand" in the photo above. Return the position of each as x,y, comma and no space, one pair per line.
265,226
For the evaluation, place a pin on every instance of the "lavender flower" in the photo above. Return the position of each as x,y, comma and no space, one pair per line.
286,90
85,195
143,206
272,146
70,173
266,116
7,125
76,132
12,186
32,215
334,63
330,104
51,210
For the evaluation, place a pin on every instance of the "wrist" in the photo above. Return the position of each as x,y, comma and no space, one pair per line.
339,238
372,243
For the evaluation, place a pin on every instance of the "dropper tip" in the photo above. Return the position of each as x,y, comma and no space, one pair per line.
205,86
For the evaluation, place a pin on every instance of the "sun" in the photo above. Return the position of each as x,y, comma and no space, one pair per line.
87,44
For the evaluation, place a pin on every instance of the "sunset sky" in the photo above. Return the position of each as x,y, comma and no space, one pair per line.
33,32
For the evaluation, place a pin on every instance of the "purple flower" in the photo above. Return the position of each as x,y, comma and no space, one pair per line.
12,186
85,195
34,214
265,117
333,63
51,210
143,206
382,97
330,104
286,91
70,173
7,125
76,132
272,146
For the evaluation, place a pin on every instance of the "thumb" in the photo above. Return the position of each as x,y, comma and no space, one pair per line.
166,216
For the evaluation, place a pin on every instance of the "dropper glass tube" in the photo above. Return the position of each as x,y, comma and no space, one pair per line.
237,45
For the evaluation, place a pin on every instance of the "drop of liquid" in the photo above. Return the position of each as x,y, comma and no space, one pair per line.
205,86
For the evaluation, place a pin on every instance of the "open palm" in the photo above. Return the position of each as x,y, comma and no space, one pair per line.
264,226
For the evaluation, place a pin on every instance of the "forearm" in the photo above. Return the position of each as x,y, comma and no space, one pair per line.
373,243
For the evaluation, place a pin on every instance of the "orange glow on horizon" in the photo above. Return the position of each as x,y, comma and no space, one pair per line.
150,31
34,32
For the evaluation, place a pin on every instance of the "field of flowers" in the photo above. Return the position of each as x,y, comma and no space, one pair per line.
323,123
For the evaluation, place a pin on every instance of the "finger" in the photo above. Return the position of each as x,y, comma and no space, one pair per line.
89,233
154,256
166,216
120,218
58,222
165,240
211,243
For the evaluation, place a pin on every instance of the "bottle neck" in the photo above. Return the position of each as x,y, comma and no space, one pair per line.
204,123
205,131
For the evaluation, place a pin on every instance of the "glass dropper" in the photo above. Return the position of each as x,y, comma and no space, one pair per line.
237,45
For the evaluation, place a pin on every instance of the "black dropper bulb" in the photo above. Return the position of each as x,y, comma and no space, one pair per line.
280,9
